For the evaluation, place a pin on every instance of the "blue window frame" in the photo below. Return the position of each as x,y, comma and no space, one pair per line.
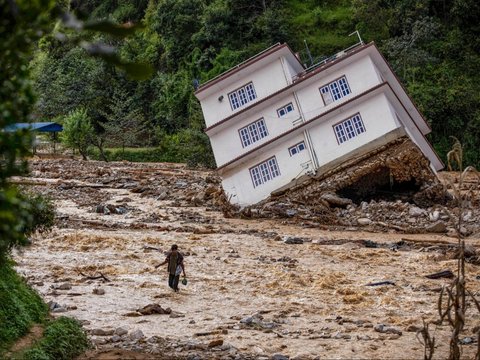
349,128
335,90
285,110
264,171
295,149
253,132
242,96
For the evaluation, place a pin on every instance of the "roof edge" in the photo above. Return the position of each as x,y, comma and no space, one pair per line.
262,54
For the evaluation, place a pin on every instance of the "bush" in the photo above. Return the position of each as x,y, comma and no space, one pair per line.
20,306
130,154
21,214
63,339
188,146
78,131
42,211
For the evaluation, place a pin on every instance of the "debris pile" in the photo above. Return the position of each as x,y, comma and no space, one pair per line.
392,187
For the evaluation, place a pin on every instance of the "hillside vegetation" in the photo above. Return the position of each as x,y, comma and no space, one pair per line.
432,45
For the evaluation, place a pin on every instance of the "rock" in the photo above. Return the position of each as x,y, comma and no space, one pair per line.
137,335
132,314
99,291
280,357
413,328
292,240
115,339
154,309
339,335
191,322
381,328
120,331
335,200
416,211
247,320
99,341
290,212
215,343
175,315
467,340
364,221
301,357
64,286
364,337
438,227
60,309
52,305
101,332
467,216
434,216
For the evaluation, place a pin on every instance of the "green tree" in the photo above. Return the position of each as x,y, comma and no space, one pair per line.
78,131
124,121
21,25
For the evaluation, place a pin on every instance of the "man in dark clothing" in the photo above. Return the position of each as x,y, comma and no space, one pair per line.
175,267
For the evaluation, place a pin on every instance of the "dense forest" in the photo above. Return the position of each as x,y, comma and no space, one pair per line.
433,46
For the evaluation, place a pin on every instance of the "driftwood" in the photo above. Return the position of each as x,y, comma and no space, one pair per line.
442,274
381,283
146,247
95,277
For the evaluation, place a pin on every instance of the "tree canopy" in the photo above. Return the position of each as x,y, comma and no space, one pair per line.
432,45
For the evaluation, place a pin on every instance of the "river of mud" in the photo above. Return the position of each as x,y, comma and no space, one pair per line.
257,287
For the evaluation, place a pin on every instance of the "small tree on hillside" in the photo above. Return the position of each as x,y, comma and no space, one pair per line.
124,121
78,131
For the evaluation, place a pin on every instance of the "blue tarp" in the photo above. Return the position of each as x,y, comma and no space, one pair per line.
39,126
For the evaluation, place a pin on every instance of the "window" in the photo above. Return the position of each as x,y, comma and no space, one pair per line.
335,90
285,110
264,172
253,132
296,148
349,128
242,96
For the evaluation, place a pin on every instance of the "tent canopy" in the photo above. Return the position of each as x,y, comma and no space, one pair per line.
39,126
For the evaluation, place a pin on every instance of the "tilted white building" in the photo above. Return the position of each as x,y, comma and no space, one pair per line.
270,120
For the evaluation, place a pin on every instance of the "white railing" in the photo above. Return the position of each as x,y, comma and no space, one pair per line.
325,61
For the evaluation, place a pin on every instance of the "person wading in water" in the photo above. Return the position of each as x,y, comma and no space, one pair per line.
175,267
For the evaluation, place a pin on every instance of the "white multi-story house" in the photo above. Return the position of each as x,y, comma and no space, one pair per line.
270,120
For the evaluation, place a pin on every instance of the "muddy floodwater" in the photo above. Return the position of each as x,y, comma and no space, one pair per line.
263,287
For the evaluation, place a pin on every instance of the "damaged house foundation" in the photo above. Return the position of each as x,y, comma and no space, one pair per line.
343,128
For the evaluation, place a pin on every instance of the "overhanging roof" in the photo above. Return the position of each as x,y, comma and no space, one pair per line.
277,48
379,61
38,126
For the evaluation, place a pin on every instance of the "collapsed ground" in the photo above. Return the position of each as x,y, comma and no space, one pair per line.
291,283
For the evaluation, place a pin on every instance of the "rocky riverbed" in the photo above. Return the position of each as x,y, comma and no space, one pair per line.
287,285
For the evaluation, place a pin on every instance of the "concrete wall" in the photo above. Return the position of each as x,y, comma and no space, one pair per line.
361,76
378,120
238,183
226,143
266,81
